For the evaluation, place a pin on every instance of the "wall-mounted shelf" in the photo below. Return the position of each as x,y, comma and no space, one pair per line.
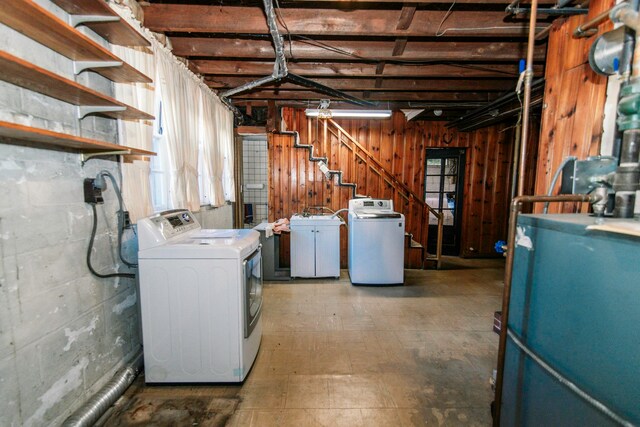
22,73
46,28
13,133
116,32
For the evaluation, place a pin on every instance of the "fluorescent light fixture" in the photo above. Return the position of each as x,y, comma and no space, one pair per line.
328,113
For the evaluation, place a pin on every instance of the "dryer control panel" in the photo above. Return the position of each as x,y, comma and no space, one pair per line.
164,226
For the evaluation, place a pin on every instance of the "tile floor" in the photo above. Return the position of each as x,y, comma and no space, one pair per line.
337,355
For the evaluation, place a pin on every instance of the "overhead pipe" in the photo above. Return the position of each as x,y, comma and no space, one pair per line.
589,28
478,123
89,413
493,105
302,81
550,11
516,208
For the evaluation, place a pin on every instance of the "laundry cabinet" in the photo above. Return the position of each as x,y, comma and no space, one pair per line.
315,246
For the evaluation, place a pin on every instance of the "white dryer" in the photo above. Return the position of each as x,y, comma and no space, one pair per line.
201,299
376,243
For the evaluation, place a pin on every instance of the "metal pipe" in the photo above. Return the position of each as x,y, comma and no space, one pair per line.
498,118
516,153
567,382
528,76
94,408
551,11
516,206
248,86
303,81
556,175
496,103
589,28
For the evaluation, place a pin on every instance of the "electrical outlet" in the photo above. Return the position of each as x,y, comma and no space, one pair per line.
92,195
127,220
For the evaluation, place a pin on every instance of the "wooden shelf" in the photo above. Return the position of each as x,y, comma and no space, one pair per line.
44,27
24,74
118,32
13,133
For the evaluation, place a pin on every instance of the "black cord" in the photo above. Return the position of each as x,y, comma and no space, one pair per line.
120,217
89,250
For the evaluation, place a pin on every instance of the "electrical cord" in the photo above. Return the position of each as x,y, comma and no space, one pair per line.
89,250
120,216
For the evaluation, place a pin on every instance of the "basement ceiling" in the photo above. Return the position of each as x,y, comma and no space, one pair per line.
427,55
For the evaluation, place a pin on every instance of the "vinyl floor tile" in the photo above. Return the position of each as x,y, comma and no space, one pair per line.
333,354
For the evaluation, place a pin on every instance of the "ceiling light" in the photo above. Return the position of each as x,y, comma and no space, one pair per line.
370,114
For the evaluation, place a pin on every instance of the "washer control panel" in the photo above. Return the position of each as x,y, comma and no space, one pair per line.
371,204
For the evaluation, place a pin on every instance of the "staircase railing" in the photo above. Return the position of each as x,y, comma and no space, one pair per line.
398,186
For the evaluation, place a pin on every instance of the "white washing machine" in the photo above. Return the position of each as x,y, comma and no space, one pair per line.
376,243
201,299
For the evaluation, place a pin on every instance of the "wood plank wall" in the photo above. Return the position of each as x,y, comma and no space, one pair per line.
400,146
574,99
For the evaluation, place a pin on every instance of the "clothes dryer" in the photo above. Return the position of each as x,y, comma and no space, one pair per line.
201,299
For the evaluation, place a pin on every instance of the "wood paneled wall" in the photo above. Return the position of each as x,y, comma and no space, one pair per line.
574,99
295,182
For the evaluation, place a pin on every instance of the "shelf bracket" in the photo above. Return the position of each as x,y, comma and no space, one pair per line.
75,20
85,110
80,66
85,157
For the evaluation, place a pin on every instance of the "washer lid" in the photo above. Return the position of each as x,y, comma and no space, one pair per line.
207,244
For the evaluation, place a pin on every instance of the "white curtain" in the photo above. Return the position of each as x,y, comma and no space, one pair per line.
136,133
213,157
192,115
179,111
225,121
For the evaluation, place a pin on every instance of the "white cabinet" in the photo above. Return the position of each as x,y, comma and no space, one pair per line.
315,246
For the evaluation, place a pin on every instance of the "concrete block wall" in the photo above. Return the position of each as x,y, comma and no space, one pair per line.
63,332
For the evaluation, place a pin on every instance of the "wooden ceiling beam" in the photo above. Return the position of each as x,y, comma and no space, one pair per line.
374,50
462,85
374,96
338,22
335,69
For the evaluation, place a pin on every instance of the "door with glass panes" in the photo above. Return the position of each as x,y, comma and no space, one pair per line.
444,176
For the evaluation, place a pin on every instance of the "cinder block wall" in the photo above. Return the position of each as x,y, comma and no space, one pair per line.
63,332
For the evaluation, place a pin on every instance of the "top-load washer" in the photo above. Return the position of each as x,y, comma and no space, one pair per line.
376,243
201,299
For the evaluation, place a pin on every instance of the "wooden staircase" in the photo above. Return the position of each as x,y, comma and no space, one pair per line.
414,208
322,163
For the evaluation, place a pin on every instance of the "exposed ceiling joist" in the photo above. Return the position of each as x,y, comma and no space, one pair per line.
368,84
375,50
374,96
325,22
336,69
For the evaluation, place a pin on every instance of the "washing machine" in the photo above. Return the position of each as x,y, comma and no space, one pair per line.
376,243
201,299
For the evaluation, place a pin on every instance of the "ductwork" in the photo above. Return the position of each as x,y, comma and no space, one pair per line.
89,413
280,70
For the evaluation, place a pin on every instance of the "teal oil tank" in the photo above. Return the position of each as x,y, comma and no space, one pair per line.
574,322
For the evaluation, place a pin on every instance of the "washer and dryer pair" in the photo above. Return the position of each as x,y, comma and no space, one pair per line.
376,242
201,299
